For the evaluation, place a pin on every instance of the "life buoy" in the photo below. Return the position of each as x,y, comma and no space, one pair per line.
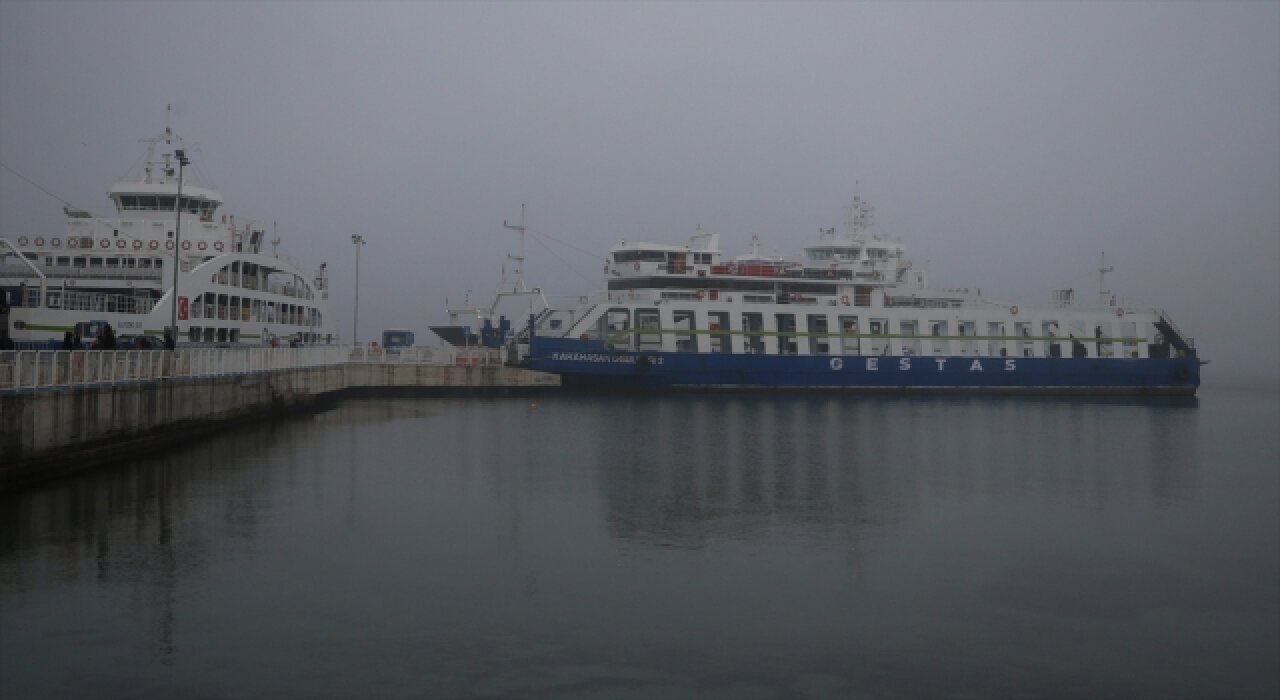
73,242
153,245
1014,309
831,274
39,241
55,242
217,245
877,275
837,363
202,245
121,243
732,269
186,245
636,267
168,245
104,243
701,294
1119,311
845,300
22,240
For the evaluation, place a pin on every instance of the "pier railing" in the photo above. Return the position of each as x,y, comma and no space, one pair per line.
49,369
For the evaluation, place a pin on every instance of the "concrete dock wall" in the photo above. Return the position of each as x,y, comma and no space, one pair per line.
52,432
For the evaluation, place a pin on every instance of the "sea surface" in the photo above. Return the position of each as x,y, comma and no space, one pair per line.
682,547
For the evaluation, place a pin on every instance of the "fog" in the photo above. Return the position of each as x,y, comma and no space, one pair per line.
1009,144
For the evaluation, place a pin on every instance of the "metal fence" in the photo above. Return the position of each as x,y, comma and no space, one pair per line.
46,369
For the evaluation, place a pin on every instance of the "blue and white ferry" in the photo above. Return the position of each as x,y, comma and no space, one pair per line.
853,315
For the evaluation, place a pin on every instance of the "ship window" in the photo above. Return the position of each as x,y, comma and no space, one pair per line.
95,262
786,325
165,203
684,325
752,329
648,320
128,202
193,334
613,327
64,262
718,324
626,256
819,343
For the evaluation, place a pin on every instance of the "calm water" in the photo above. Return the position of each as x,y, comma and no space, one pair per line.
722,547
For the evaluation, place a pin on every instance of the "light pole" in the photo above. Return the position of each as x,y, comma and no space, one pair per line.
181,155
355,323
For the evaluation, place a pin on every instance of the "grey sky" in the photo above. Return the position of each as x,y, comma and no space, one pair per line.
1008,143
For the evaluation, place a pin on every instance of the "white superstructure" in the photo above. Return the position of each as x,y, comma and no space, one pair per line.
119,270
851,294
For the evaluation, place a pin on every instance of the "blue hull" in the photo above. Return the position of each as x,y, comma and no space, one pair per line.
585,364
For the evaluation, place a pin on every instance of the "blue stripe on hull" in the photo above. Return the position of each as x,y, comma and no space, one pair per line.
583,364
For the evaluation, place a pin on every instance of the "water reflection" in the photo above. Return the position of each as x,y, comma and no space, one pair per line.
514,548
682,473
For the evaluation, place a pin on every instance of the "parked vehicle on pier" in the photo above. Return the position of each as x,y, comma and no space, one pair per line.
393,339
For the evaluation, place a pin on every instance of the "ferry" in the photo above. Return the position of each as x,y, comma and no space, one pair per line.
852,314
231,289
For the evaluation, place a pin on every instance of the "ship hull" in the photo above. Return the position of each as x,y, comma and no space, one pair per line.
588,365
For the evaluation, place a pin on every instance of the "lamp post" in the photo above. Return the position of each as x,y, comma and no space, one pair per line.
355,324
181,155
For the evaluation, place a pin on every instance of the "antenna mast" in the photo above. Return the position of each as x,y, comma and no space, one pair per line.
1103,293
520,287
859,213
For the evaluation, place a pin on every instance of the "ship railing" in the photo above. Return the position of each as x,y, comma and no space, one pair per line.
476,356
1191,342
55,272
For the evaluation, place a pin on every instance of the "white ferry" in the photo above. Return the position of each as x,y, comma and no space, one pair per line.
120,271
853,315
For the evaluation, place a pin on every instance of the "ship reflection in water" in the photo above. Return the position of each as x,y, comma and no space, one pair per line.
724,546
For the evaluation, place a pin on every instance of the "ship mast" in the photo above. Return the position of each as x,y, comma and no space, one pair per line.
858,215
519,287
1104,294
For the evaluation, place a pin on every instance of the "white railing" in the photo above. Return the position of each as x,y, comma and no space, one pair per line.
462,357
45,369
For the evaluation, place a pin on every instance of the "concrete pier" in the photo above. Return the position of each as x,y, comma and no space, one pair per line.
50,432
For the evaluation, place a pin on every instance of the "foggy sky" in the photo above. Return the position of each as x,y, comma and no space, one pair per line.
1009,144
